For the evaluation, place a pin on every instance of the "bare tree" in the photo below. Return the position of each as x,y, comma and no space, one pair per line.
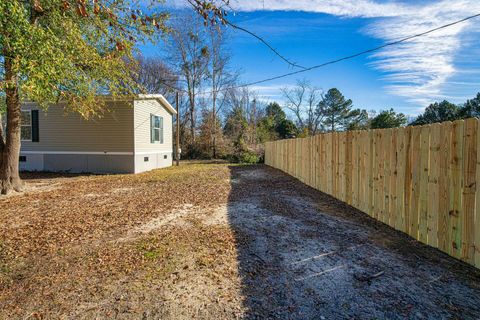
184,119
236,124
189,53
244,113
219,75
154,76
303,100
255,111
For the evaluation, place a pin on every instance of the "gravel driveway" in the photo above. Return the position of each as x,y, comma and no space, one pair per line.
304,255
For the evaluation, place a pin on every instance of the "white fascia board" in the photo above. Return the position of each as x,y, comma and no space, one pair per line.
160,99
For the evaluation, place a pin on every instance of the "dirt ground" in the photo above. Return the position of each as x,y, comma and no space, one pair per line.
214,241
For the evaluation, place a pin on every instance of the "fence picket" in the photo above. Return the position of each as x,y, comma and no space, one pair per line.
456,186
348,189
477,205
335,163
361,174
328,163
343,165
423,197
415,196
393,161
444,186
419,180
408,178
433,212
321,173
354,147
377,148
400,182
370,194
387,142
469,188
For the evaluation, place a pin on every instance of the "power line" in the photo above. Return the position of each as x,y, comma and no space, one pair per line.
275,51
359,53
405,39
195,4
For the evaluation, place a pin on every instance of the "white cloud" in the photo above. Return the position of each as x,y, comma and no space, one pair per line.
347,8
268,93
417,70
350,8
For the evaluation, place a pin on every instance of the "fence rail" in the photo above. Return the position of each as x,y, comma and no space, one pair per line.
420,180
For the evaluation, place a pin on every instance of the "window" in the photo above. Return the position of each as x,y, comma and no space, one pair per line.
26,127
29,128
156,127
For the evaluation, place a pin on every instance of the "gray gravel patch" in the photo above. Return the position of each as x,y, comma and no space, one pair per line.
305,255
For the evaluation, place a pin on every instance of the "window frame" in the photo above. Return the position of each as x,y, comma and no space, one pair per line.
26,125
160,129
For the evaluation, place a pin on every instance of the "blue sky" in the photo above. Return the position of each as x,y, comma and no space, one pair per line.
309,39
444,65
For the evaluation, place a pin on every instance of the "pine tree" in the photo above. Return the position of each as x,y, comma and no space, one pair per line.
336,109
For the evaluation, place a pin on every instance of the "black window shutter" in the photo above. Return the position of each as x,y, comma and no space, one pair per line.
35,131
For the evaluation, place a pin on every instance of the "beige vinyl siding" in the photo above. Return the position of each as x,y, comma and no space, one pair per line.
68,132
143,110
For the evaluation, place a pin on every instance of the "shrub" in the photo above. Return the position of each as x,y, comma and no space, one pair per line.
249,157
246,156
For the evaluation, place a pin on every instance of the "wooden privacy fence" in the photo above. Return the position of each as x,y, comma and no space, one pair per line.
420,180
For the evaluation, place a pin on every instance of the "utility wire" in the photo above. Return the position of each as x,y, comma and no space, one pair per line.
234,26
360,53
343,58
225,21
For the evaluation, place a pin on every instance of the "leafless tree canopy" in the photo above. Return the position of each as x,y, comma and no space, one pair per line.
243,115
303,101
219,76
189,53
156,77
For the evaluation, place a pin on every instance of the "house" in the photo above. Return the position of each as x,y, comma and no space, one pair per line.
134,135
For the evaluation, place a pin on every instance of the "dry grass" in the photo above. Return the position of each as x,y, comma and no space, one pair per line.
70,245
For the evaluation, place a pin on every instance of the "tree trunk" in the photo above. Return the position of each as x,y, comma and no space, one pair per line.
192,117
214,113
10,146
192,129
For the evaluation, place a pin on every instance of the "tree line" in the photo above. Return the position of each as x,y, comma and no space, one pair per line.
221,119
316,112
447,111
307,111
